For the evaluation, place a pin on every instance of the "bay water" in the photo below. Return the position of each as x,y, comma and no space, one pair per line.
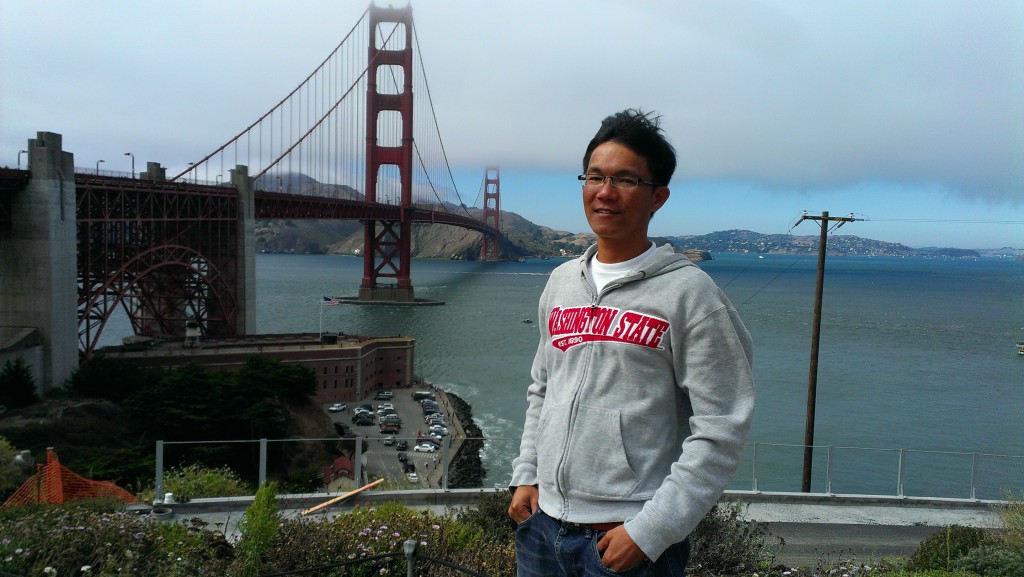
920,390
915,354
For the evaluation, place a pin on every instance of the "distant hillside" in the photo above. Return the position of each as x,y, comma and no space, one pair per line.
745,241
428,240
527,239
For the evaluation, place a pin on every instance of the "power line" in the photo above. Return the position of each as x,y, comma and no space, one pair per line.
946,220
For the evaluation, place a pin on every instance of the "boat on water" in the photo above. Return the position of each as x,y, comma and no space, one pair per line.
1020,347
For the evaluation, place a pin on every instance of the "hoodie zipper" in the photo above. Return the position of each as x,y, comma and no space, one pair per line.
587,364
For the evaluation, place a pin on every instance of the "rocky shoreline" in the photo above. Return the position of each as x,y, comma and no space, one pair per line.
467,469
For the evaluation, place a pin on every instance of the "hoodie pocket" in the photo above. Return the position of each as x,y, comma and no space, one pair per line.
596,466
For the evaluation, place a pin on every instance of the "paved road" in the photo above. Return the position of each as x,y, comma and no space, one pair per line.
807,544
864,530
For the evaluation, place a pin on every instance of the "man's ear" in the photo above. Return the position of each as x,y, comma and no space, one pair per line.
661,195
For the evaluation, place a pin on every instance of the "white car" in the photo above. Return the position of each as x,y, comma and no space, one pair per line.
337,408
425,448
413,477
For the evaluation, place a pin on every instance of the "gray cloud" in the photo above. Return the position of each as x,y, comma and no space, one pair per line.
788,95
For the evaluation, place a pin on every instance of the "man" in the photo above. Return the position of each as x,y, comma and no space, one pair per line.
642,389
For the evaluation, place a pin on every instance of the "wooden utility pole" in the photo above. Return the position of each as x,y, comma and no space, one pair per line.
812,376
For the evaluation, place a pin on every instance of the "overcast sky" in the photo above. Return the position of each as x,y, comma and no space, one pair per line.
909,114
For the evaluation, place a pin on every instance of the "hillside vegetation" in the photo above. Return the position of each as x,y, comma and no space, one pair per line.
529,240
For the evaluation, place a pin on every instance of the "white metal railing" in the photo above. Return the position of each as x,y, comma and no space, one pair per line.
773,467
908,472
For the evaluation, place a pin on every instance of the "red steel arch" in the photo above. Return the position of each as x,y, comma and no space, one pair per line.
164,252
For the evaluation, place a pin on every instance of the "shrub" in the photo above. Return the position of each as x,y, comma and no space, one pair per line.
944,548
1012,534
11,475
198,481
992,561
259,531
108,542
725,543
490,517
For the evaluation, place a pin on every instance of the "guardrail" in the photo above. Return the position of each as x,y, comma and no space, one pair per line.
770,468
899,472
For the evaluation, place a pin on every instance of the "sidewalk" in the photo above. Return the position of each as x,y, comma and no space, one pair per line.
860,528
456,434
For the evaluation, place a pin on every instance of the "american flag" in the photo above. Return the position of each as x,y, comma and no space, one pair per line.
330,302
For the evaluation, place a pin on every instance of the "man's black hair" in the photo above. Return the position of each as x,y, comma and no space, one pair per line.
641,132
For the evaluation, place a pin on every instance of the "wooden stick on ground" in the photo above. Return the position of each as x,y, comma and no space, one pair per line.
341,497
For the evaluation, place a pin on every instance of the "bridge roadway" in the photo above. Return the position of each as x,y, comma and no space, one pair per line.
815,527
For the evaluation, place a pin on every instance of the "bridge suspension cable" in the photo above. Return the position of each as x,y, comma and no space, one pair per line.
313,141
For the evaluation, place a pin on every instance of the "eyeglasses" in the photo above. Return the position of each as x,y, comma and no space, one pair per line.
622,182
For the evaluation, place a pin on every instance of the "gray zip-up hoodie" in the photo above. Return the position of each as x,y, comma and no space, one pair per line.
641,399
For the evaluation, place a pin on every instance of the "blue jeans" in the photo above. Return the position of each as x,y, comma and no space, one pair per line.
545,547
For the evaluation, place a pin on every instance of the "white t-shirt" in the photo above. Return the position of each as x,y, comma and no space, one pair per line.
605,273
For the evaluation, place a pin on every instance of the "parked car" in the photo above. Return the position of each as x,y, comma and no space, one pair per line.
362,419
384,395
425,448
430,439
402,445
337,408
388,441
388,429
428,417
439,430
413,477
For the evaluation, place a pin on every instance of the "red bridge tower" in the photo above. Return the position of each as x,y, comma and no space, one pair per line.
492,213
386,241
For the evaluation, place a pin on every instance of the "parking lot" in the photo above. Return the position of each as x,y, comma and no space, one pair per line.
381,459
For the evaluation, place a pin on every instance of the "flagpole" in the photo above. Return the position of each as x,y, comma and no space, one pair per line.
321,319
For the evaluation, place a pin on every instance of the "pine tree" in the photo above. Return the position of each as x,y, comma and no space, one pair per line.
17,385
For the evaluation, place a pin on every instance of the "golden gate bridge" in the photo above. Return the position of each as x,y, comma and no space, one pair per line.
357,139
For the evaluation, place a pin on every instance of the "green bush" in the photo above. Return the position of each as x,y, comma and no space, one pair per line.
11,476
367,532
198,481
259,531
943,549
91,538
490,517
724,543
1012,514
931,573
992,561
